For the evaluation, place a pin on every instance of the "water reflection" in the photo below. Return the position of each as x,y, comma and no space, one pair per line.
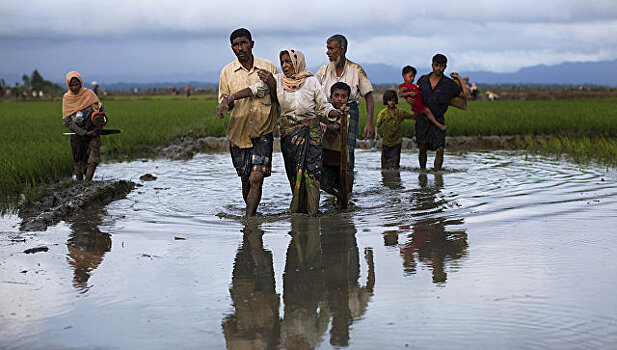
321,287
346,298
255,322
86,247
391,178
306,312
430,243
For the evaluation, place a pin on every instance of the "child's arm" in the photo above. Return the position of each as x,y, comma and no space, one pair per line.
408,115
431,117
402,92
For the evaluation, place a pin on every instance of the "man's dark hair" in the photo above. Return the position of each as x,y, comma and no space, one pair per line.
389,95
240,32
408,69
340,40
340,86
440,59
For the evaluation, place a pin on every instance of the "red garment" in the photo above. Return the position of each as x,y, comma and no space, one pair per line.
418,106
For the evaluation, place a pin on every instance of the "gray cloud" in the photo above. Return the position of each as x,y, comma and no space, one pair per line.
162,37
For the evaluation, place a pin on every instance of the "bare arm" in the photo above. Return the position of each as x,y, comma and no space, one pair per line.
465,93
229,99
368,129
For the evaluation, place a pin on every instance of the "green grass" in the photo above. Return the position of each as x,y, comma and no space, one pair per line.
572,118
578,149
34,151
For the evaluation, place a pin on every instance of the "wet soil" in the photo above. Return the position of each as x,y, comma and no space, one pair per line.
187,146
68,199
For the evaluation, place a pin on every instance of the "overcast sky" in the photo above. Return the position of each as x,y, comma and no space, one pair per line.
129,40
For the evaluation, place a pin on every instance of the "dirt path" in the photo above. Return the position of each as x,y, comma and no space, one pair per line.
187,146
68,199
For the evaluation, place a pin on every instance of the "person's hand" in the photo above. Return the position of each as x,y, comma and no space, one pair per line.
224,106
266,77
91,133
368,129
455,75
335,114
410,101
442,127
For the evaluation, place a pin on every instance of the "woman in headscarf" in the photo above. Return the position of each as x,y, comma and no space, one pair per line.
82,114
304,111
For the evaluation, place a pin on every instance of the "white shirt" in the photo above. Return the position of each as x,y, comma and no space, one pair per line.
353,75
306,103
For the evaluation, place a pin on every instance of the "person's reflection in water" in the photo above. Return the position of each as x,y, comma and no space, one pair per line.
430,241
306,314
86,247
255,323
391,178
346,299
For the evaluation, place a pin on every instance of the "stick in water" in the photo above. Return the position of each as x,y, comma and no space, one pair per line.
343,197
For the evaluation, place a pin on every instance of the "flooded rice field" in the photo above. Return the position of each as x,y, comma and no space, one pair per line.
500,250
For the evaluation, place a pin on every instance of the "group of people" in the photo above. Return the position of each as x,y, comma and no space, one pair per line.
313,110
318,119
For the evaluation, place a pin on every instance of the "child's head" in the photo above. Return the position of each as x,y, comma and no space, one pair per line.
390,98
339,94
409,74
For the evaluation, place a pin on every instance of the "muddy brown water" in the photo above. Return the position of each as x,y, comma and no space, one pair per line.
500,250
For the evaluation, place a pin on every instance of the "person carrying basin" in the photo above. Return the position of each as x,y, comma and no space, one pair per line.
83,114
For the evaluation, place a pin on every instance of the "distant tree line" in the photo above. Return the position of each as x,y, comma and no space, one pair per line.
32,86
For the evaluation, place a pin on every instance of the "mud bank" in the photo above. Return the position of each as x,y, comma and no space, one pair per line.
68,199
186,147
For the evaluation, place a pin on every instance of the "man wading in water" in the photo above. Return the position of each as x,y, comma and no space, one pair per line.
252,120
340,69
437,91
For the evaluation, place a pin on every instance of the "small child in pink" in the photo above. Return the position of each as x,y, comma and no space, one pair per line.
410,92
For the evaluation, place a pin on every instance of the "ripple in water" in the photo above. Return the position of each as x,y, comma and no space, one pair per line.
498,249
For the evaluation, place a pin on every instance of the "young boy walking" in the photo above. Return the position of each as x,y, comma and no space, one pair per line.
391,118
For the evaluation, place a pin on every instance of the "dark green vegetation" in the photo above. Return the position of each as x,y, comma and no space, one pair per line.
33,149
583,129
571,118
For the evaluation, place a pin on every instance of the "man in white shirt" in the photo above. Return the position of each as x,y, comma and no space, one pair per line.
340,69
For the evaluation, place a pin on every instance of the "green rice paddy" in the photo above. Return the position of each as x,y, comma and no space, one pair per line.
33,149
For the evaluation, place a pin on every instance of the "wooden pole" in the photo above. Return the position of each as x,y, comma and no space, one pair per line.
343,195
